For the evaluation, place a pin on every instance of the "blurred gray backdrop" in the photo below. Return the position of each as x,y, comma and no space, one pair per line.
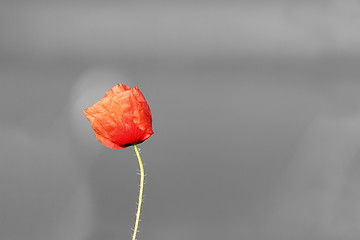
256,119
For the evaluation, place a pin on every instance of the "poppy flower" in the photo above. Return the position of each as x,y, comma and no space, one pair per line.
121,118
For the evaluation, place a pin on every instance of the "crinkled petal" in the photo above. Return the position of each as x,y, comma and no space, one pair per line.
122,118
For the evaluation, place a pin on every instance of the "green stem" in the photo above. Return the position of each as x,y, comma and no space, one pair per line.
142,177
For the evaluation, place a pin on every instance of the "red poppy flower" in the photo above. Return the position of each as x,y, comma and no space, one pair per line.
122,118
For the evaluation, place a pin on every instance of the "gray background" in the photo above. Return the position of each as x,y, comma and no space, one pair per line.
255,107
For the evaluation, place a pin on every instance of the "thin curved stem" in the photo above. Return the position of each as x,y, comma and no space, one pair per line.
142,177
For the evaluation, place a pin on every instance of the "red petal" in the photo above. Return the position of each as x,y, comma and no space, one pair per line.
122,118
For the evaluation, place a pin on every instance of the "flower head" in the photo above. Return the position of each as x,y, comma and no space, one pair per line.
121,118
